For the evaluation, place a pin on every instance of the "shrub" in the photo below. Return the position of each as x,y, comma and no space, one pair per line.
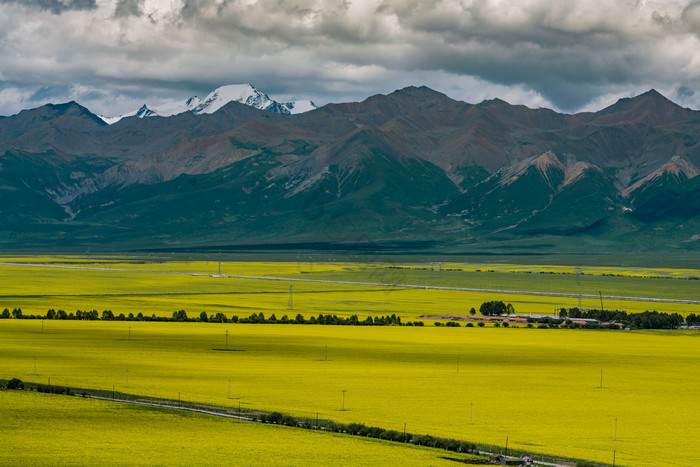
288,420
15,383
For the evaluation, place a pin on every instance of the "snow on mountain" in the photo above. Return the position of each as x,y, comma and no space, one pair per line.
243,93
298,107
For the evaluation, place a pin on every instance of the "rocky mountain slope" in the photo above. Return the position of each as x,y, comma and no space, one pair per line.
411,166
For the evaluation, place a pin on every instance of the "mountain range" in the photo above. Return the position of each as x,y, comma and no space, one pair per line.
411,169
243,93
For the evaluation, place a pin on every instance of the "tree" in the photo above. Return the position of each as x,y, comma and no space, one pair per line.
472,311
17,313
60,314
493,308
180,315
563,314
203,317
5,314
509,309
51,314
107,315
220,317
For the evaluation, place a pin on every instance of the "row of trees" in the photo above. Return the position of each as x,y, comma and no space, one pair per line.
181,316
645,320
360,429
333,320
277,418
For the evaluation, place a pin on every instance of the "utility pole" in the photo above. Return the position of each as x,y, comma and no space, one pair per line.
325,357
229,388
506,454
615,438
290,304
129,333
601,379
227,339
127,377
457,363
600,292
404,432
34,365
471,409
343,406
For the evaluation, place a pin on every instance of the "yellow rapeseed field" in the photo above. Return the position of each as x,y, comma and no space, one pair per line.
41,429
541,389
141,286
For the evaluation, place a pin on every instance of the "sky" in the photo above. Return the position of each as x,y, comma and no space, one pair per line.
112,56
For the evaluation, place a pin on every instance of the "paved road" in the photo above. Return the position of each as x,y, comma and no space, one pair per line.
376,284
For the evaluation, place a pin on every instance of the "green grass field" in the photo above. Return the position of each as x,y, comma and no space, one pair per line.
539,388
41,429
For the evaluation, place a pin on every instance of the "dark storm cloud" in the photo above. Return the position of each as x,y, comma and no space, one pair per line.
565,54
126,8
56,6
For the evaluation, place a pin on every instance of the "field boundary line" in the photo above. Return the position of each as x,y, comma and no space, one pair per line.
249,419
373,284
168,406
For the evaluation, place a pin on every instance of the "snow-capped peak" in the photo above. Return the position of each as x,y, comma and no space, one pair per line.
242,93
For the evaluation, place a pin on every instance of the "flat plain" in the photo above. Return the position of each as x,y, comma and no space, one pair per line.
160,287
93,432
539,388
576,393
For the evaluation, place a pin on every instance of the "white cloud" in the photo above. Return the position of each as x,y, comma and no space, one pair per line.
568,54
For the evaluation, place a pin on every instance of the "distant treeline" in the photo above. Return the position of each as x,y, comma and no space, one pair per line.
645,320
181,316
